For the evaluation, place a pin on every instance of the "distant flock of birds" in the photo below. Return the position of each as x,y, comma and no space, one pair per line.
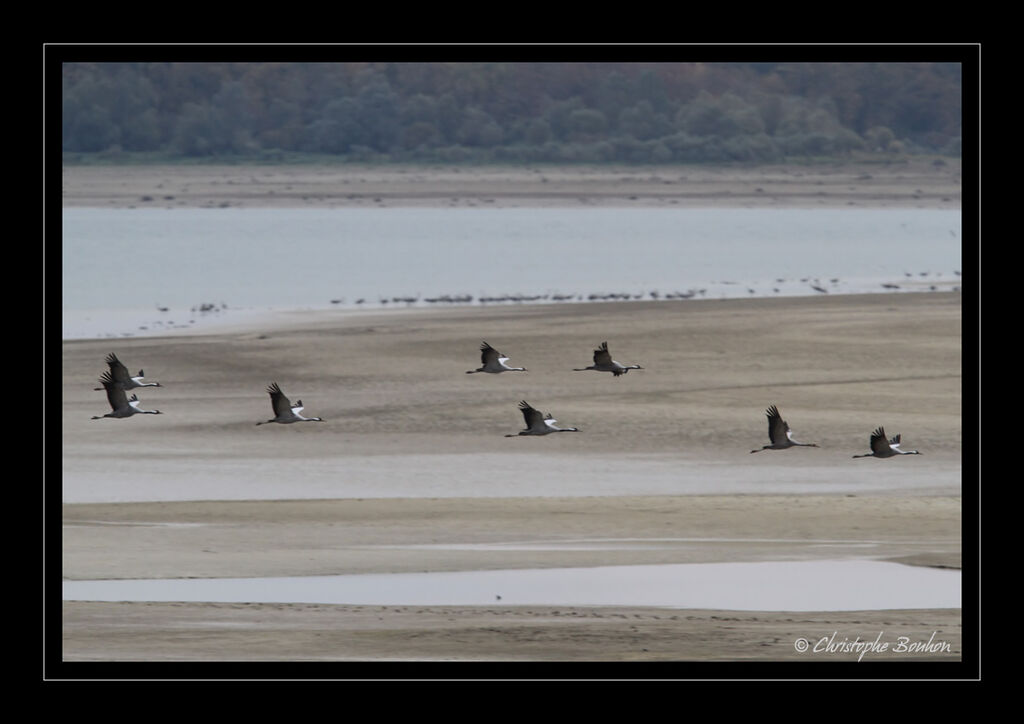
813,283
409,300
117,382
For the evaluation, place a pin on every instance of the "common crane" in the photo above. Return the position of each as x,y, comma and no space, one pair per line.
603,362
882,448
539,424
493,361
120,404
779,433
120,377
284,411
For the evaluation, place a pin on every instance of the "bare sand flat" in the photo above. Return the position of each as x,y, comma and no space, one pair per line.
411,471
176,632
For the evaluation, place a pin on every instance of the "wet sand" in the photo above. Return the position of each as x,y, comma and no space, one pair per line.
267,538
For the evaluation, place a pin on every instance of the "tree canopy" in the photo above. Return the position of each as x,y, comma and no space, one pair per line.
520,111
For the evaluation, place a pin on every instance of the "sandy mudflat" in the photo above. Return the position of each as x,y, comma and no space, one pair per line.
411,472
915,183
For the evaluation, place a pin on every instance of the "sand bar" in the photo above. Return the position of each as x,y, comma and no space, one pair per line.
919,183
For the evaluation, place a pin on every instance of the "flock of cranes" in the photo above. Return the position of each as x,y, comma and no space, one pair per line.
117,381
493,361
781,437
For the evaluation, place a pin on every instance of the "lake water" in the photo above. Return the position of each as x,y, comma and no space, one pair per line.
836,585
206,265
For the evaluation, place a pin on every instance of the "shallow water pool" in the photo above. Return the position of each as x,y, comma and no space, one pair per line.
831,585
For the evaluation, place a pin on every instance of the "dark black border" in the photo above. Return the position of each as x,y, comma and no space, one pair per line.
54,670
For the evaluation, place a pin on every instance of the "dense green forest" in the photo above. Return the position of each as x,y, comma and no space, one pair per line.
510,112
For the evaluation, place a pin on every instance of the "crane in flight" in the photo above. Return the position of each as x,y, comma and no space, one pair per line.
882,448
779,433
539,424
603,362
284,411
493,361
119,376
120,404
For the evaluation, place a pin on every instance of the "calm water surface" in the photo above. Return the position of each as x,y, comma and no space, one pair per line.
122,261
847,585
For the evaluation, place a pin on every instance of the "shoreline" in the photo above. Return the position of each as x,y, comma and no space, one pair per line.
137,323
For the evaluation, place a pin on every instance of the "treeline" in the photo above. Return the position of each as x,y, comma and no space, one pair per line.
512,112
